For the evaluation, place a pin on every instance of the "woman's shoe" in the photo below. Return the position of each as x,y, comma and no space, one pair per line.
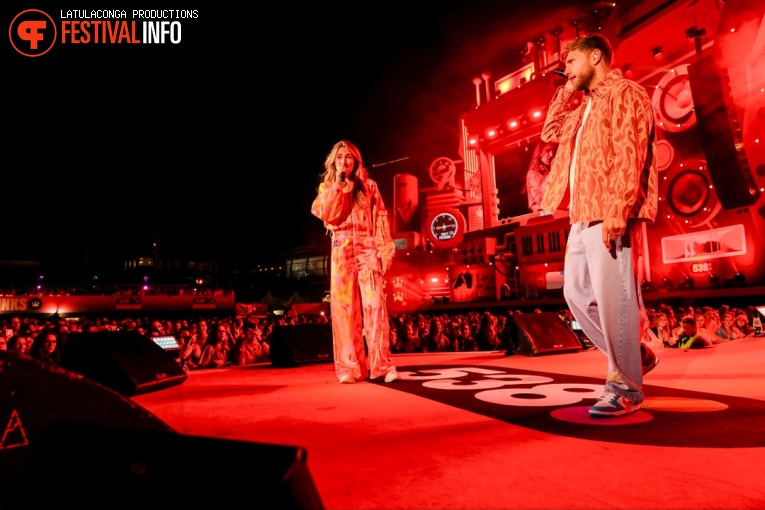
347,379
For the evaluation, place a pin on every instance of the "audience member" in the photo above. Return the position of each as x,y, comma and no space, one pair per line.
467,341
411,340
452,331
183,336
508,334
203,333
712,318
435,340
692,337
487,337
726,331
741,324
662,331
704,331
396,342
18,343
216,354
191,353
45,347
14,327
249,349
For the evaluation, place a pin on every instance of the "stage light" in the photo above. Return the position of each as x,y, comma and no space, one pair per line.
689,283
656,51
739,278
714,280
668,284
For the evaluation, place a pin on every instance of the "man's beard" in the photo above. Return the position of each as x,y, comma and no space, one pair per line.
584,79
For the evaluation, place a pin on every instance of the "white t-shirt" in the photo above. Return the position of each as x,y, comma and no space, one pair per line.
572,171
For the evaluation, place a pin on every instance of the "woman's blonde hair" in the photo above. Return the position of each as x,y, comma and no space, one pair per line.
358,173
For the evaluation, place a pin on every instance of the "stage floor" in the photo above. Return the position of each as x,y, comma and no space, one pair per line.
482,430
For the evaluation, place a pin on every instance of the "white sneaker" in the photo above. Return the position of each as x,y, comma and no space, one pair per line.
391,376
610,404
347,379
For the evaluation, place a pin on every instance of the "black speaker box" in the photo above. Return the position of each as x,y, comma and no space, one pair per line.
34,395
544,333
127,362
95,467
301,344
729,169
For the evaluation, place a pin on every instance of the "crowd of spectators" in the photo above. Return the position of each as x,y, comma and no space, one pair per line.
205,342
210,342
701,327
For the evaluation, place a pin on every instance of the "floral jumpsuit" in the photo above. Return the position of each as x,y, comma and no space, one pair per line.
362,248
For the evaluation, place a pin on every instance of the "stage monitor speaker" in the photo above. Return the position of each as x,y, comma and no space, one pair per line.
728,168
94,467
301,344
36,394
544,333
125,361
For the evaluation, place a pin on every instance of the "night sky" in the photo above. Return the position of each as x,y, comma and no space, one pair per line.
213,147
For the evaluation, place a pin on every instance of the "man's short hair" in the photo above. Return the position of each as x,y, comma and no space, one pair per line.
689,320
590,42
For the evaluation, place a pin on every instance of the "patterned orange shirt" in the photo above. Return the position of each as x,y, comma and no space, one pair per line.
616,174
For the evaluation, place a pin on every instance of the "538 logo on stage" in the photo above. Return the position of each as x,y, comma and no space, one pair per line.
34,33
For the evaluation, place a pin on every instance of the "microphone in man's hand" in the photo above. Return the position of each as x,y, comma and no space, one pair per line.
342,176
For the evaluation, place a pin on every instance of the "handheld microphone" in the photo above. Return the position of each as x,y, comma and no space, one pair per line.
560,72
342,176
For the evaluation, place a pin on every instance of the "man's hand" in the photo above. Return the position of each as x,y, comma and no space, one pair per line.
612,228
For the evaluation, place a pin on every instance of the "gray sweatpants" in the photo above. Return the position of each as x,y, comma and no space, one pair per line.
600,287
